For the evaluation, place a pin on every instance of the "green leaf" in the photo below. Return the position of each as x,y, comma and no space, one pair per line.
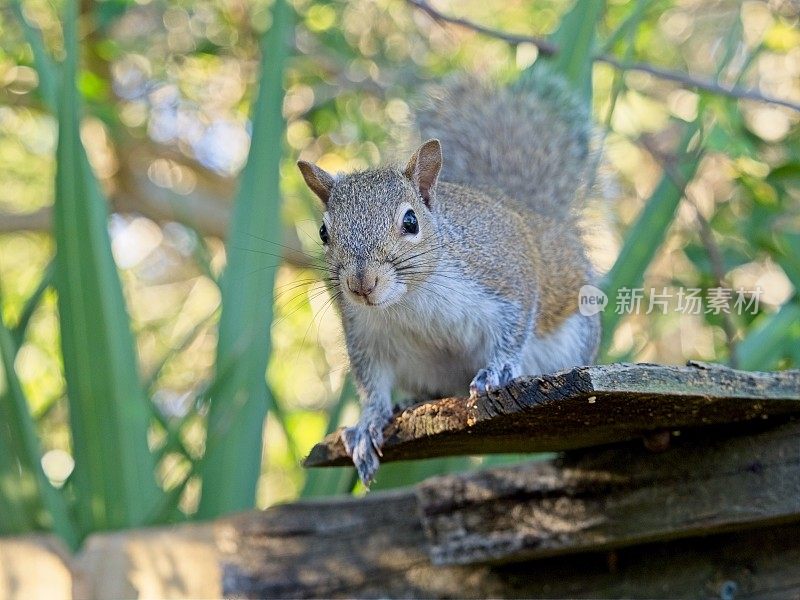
276,408
404,474
32,304
109,418
330,481
650,228
732,142
167,506
788,256
187,340
230,471
45,67
575,38
786,175
27,499
771,340
626,29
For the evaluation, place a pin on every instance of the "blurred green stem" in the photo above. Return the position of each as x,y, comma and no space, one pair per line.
231,471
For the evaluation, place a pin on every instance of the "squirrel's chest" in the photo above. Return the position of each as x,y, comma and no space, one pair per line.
435,345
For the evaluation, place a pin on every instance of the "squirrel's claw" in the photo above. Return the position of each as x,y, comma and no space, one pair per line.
489,379
484,381
363,444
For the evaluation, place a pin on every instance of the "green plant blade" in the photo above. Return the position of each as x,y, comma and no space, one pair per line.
626,28
768,343
32,304
45,67
407,473
274,406
575,39
114,470
167,506
27,499
230,471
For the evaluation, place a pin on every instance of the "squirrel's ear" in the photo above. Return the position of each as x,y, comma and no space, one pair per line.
423,168
317,179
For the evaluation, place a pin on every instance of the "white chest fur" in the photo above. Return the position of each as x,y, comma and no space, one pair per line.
435,340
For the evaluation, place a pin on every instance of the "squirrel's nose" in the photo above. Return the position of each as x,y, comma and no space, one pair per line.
360,286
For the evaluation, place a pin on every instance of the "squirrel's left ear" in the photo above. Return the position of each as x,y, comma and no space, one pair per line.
423,168
319,180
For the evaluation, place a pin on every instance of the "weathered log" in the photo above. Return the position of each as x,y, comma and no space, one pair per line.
601,524
759,565
608,498
577,408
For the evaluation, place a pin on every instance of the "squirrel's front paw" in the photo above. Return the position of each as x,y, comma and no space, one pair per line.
489,379
362,443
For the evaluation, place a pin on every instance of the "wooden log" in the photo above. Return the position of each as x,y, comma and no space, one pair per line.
613,497
758,565
325,549
603,524
577,408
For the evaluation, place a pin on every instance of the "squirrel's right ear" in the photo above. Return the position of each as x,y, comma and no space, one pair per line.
320,181
423,168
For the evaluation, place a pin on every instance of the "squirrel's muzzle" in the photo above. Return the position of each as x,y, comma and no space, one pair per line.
362,284
371,284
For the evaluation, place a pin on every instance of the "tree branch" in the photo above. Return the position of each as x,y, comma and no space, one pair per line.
206,208
547,48
38,220
687,80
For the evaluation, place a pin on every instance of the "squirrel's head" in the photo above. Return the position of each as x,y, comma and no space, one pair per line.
379,230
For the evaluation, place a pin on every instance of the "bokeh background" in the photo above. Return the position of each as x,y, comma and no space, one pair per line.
134,391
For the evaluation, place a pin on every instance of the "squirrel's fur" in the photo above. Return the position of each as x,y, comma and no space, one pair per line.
481,284
530,140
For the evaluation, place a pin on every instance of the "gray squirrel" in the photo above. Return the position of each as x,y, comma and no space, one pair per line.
463,269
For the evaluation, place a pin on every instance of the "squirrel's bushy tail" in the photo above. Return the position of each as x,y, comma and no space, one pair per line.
530,140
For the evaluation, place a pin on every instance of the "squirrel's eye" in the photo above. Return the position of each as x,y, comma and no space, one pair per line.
323,234
410,224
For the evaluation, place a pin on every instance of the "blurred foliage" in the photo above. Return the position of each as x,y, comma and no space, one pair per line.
703,192
230,470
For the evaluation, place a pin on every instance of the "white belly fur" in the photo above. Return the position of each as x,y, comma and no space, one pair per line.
436,342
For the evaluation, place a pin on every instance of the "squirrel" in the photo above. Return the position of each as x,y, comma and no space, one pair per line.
463,269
